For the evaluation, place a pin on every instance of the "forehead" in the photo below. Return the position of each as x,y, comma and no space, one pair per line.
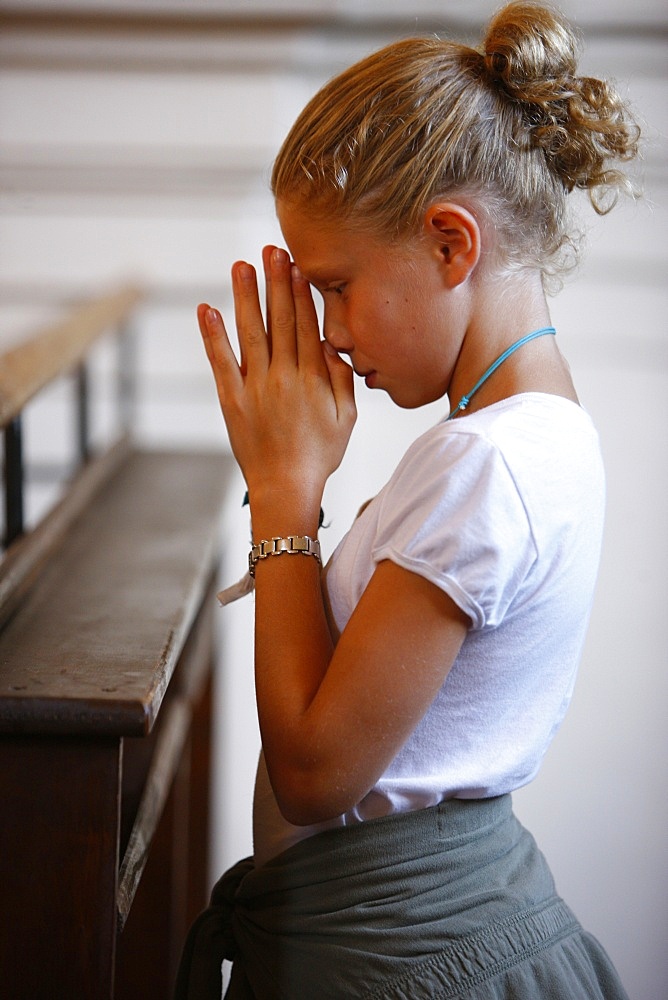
310,225
318,241
326,246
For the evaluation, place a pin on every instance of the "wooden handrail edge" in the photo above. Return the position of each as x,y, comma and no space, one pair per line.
29,366
164,764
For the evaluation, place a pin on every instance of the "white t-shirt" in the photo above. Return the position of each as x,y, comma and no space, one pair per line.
503,510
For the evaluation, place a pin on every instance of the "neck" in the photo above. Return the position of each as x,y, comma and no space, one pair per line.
465,401
510,308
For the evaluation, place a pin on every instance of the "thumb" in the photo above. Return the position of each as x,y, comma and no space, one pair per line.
341,377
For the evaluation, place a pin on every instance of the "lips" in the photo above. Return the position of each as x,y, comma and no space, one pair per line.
368,376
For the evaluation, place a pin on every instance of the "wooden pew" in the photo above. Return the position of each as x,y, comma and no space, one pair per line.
106,659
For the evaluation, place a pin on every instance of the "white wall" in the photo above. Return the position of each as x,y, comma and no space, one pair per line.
141,148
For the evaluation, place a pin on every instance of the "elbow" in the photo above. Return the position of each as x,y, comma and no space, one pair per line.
305,813
306,798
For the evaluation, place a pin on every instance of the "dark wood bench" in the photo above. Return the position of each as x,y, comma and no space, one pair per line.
106,658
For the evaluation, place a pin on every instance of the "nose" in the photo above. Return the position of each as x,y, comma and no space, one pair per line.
336,334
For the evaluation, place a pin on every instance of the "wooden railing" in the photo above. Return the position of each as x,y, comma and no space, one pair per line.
106,660
27,368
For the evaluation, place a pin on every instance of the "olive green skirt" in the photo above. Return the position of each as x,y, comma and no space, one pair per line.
455,901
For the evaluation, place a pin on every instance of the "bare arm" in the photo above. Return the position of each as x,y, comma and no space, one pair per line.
332,721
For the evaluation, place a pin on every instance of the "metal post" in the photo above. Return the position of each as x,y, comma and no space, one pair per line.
13,474
83,421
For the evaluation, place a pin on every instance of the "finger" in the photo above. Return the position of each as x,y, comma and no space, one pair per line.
219,351
266,263
282,306
341,377
208,335
250,322
309,351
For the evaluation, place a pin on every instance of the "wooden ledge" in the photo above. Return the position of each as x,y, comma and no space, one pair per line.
94,643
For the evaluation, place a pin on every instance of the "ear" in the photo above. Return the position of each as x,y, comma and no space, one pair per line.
455,235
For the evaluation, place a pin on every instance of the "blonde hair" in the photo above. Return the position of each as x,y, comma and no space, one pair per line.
509,127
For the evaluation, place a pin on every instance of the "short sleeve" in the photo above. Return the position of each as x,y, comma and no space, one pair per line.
453,513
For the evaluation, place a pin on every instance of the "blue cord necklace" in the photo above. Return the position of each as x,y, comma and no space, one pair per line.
465,400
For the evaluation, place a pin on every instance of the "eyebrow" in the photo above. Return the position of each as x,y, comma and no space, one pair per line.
318,279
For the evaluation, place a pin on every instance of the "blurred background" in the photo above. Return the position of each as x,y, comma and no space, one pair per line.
136,142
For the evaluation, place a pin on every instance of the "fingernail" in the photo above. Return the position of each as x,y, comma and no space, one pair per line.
296,273
329,349
279,256
245,271
211,316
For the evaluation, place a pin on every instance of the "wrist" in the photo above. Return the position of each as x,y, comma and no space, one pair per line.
283,511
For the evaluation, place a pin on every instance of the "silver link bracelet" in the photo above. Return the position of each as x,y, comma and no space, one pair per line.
291,544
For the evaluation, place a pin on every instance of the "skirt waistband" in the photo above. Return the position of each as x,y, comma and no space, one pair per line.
346,851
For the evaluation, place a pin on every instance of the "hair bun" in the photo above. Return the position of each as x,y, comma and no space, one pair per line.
581,124
531,50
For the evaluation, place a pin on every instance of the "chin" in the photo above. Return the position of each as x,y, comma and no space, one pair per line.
413,401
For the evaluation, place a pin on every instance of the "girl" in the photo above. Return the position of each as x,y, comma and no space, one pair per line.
408,689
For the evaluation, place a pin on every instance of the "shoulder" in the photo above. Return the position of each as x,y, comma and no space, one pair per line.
512,433
549,448
481,502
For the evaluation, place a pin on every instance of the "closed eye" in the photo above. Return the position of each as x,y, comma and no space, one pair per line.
335,289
